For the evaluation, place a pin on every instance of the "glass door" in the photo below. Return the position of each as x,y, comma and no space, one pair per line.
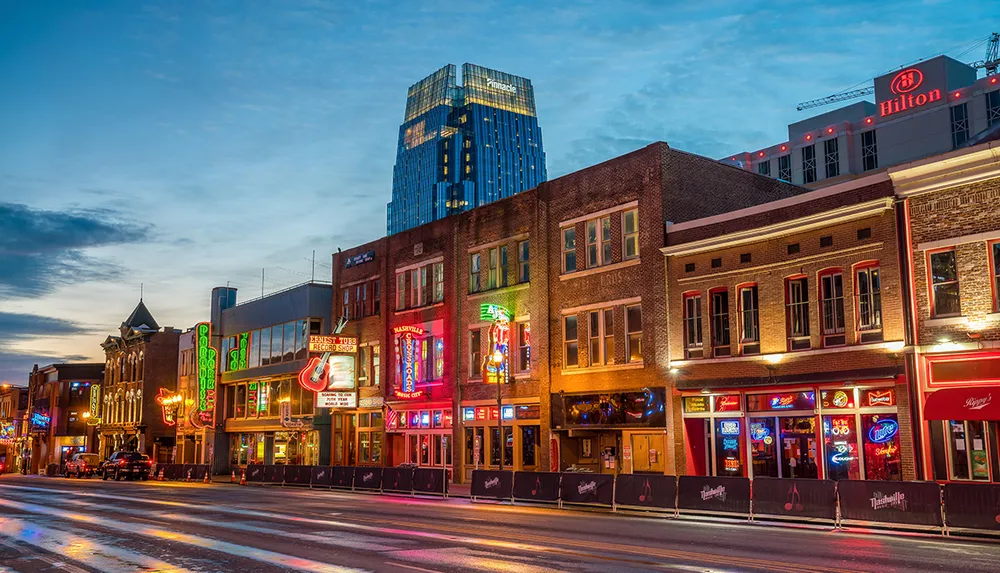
763,447
798,447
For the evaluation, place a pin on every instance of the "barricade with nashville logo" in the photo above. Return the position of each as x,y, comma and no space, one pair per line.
397,480
652,492
274,474
492,484
587,488
343,477
367,478
255,473
795,498
297,475
972,506
912,503
729,495
536,486
320,476
430,480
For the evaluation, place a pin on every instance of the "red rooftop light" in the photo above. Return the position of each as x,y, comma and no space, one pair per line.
829,130
868,120
958,94
808,137
993,80
783,148
761,154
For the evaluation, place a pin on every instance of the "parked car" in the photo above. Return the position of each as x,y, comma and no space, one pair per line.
82,465
130,465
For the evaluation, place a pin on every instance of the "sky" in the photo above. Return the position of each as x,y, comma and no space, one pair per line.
189,144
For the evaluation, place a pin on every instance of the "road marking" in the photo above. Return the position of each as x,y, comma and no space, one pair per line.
414,567
278,559
105,558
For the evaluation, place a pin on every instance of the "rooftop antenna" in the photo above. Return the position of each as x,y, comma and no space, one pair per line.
140,292
314,266
262,282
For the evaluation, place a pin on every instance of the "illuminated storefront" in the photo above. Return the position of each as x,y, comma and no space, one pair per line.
836,432
520,445
422,437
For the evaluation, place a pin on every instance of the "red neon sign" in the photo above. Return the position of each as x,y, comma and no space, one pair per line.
408,395
729,403
903,84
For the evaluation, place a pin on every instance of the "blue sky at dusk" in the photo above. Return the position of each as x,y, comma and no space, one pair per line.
185,145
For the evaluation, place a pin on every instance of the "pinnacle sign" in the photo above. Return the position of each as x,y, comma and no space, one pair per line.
903,85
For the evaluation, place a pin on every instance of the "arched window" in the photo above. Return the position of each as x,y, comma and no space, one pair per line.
139,367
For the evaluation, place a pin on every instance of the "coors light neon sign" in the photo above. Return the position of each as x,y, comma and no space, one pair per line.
903,85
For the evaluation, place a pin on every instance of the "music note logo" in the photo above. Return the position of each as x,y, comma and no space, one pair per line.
538,486
647,492
794,499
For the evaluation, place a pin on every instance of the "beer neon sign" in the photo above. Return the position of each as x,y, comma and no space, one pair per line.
903,85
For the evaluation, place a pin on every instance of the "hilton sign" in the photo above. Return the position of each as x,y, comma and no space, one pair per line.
903,86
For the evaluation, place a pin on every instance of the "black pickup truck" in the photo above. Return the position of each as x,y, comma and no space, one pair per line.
130,465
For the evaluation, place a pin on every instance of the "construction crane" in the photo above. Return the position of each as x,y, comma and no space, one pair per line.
990,63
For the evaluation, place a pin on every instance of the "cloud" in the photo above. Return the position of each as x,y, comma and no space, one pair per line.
14,324
15,367
42,250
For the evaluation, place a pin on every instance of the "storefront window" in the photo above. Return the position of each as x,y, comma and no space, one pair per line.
508,446
413,448
365,447
881,438
763,447
529,442
968,450
376,447
470,446
781,402
425,449
241,401
798,447
840,441
728,453
494,446
837,399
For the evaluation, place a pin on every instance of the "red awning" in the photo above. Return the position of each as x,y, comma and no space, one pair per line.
981,403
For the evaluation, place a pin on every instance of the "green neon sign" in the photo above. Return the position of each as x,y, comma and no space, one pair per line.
238,355
207,367
494,313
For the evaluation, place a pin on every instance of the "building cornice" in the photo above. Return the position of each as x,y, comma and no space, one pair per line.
959,167
802,224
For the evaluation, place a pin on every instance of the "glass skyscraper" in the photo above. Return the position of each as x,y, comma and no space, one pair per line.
461,146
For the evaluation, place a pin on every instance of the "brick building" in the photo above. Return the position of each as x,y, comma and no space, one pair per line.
949,212
786,338
57,424
13,406
140,362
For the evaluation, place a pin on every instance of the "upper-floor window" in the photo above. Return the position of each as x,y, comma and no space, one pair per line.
523,270
475,353
630,234
797,315
633,332
764,168
832,308
400,291
569,249
598,242
944,283
719,318
438,282
868,287
503,266
494,256
809,163
692,326
346,309
869,150
959,125
475,262
995,259
993,107
571,343
602,337
785,168
831,156
418,282
271,345
749,320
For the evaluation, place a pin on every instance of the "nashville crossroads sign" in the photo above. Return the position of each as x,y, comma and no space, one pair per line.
902,86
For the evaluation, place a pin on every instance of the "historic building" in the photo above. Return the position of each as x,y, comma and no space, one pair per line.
786,338
952,237
13,410
58,412
141,364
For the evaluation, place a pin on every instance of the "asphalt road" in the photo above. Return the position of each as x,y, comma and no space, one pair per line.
76,526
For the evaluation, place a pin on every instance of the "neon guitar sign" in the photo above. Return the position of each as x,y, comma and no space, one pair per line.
316,374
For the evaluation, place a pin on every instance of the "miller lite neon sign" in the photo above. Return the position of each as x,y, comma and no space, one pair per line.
903,85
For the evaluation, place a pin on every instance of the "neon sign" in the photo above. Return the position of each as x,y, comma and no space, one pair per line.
408,355
840,427
887,450
7,430
238,355
730,444
843,454
169,403
840,399
332,344
495,362
729,427
732,465
729,403
883,431
95,404
902,85
207,367
252,398
881,397
759,431
40,421
784,402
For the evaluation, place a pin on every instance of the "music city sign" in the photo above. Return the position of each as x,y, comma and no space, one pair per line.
903,85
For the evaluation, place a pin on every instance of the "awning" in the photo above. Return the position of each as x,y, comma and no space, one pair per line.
978,403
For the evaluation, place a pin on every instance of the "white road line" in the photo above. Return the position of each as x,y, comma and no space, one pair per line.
105,558
414,567
278,559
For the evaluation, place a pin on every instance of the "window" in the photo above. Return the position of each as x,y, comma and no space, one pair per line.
523,347
689,267
602,337
416,293
438,282
865,233
400,291
944,283
630,227
569,249
797,298
832,308
764,168
503,266
716,263
265,346
492,284
360,294
831,158
809,164
719,317
376,297
474,266
826,241
959,125
523,271
869,150
425,285
785,168
692,326
346,311
993,107
749,325
793,248
571,354
598,242
868,287
633,331
376,375
475,354
745,258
